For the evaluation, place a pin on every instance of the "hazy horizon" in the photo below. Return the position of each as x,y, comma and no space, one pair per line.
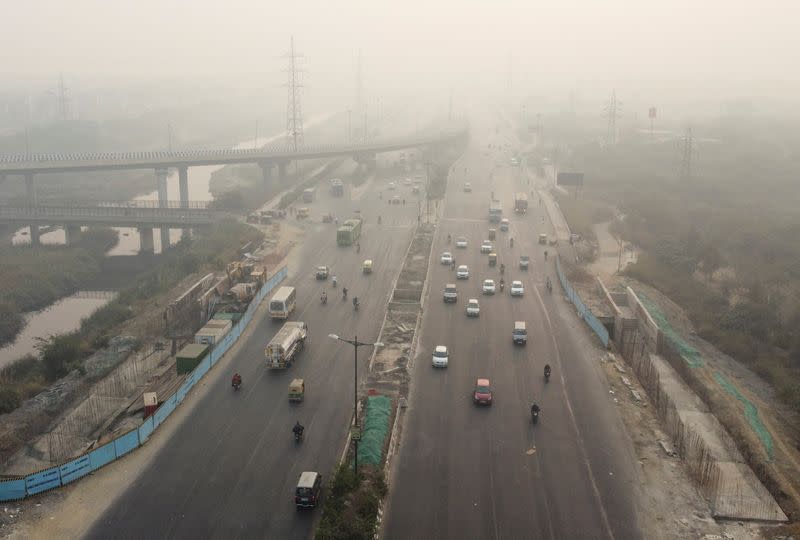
690,48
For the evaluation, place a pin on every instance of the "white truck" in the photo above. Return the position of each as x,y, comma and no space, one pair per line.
286,344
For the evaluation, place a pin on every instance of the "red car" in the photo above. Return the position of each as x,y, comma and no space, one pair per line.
483,392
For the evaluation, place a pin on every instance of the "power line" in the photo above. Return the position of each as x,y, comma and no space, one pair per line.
294,112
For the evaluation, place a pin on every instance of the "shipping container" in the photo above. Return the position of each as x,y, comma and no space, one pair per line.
188,357
213,332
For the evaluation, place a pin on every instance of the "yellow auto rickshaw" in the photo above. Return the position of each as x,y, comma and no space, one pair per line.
297,390
367,267
492,234
302,212
492,259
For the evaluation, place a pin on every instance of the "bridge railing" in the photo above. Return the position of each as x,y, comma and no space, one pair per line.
41,212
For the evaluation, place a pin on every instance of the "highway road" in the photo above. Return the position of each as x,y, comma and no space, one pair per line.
489,473
230,469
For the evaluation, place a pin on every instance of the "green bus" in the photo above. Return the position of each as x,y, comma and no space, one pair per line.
349,232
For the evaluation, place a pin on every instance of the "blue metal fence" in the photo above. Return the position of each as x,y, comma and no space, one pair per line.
585,313
53,477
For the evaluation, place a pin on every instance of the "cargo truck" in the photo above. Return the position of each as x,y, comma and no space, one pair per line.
337,187
495,212
286,344
521,202
308,195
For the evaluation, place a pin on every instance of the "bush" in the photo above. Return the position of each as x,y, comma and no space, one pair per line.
59,353
9,400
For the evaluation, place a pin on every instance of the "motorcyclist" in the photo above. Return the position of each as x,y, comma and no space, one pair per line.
549,285
236,380
333,281
449,238
298,428
502,269
358,247
502,283
535,408
355,302
547,370
324,297
545,254
511,242
344,292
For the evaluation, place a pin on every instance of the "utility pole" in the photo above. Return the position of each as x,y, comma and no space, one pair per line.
686,162
612,113
294,112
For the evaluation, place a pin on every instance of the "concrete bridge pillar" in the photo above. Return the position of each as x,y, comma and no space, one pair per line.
71,233
34,229
146,240
161,185
282,165
183,190
266,173
30,190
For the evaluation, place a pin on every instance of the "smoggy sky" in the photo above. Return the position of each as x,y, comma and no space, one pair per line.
689,45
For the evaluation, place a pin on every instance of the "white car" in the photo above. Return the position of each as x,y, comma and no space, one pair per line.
447,258
488,286
467,187
486,247
392,185
440,356
473,308
407,182
461,242
462,272
517,289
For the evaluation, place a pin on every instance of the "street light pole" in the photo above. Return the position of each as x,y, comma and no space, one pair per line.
356,344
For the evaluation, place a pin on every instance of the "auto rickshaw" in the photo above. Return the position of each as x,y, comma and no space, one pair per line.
492,259
302,212
297,390
492,234
542,238
367,267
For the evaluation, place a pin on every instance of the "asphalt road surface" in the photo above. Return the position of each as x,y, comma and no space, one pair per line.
230,469
465,471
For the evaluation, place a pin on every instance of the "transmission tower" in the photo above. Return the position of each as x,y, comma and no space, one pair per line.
63,98
612,111
359,85
294,110
688,149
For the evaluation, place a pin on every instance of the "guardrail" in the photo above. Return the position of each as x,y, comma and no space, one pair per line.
67,472
585,313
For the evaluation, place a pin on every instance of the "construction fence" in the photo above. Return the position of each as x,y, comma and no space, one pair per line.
63,474
584,312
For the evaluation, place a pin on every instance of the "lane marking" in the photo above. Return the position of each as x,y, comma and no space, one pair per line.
579,437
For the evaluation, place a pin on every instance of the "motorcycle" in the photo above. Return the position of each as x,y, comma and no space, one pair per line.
356,303
324,298
549,287
333,282
502,285
546,375
344,293
298,435
449,238
236,383
535,416
512,242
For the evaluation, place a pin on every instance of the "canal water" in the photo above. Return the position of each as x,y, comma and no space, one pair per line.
63,316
